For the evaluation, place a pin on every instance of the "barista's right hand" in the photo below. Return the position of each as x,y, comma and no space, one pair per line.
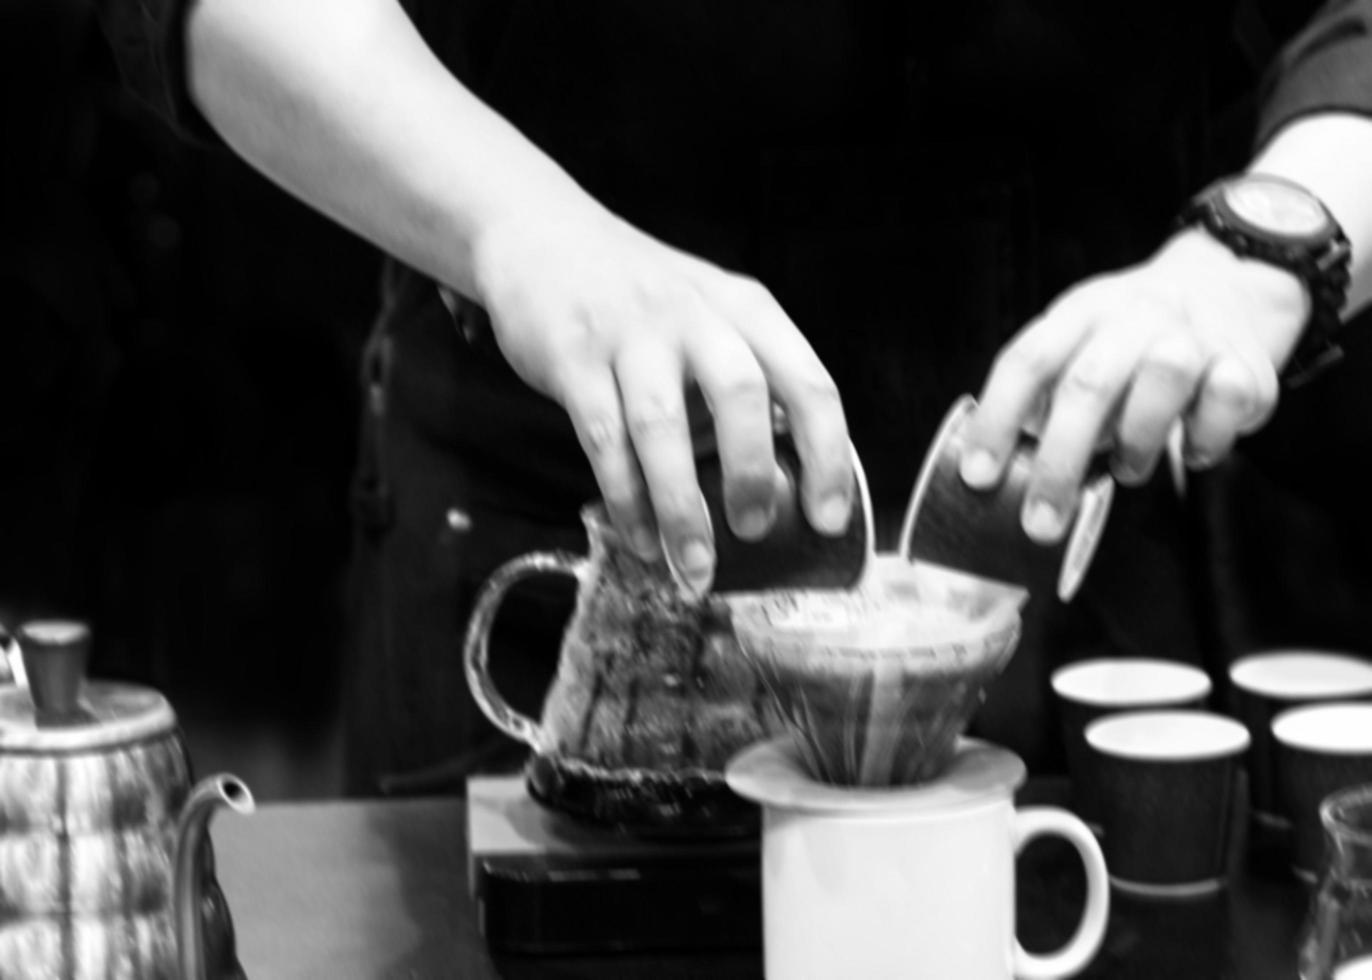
337,101
616,326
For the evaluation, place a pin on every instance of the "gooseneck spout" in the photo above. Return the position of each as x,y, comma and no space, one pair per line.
205,799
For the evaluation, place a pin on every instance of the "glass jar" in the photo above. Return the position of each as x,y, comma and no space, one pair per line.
1336,943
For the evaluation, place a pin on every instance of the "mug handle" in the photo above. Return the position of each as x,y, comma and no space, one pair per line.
476,647
1032,822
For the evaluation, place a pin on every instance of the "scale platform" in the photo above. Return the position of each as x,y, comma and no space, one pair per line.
544,883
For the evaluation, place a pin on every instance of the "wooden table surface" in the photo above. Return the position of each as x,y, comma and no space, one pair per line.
370,890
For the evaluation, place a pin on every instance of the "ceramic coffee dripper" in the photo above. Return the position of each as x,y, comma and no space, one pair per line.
876,684
105,860
906,881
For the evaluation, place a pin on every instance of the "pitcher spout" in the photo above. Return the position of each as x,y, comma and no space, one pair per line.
204,800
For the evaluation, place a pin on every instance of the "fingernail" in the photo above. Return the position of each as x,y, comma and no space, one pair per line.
697,565
979,469
1042,521
832,515
753,523
1127,472
646,544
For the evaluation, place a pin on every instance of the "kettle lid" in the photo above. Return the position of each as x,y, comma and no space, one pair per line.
54,708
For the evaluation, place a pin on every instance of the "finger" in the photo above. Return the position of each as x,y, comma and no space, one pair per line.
650,378
735,388
1229,399
1266,389
1164,386
594,408
1084,400
1037,417
1018,387
804,389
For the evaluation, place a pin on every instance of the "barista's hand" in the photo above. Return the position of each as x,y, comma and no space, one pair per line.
616,326
1192,336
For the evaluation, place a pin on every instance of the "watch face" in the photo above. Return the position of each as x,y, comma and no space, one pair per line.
1276,207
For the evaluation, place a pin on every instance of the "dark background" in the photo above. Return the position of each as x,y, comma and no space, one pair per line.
179,343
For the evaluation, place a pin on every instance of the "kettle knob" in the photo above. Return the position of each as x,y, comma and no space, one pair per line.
55,654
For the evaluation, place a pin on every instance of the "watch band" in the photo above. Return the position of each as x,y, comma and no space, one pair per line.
1321,262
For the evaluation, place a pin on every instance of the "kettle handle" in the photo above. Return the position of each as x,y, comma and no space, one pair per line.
476,647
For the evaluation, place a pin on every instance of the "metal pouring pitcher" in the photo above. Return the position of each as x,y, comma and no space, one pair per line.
106,868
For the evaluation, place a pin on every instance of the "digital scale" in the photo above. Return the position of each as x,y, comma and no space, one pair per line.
545,883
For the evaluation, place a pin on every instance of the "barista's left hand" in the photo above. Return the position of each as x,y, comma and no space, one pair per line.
1194,334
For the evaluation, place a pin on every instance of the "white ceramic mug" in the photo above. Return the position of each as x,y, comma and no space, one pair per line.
908,881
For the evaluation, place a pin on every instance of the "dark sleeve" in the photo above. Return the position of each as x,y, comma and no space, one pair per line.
148,40
1327,67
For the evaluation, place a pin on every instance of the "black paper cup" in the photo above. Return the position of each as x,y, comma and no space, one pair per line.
1318,750
978,531
792,554
1090,689
1168,796
1262,686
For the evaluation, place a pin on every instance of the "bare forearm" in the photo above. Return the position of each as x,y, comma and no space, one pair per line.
342,104
1331,155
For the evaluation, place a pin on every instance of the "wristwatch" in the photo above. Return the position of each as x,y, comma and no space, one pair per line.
1279,222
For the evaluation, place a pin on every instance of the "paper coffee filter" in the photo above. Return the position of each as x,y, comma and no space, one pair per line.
900,609
877,683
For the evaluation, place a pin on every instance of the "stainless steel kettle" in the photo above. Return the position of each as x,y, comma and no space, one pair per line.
106,868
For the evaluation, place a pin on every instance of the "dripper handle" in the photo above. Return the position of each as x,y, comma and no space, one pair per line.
55,654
